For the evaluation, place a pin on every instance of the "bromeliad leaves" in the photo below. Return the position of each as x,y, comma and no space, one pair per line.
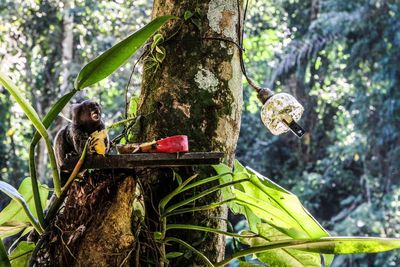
113,58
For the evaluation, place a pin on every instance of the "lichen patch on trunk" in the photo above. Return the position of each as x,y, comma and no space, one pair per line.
235,85
222,17
206,80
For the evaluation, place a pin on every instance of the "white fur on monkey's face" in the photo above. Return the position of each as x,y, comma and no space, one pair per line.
86,113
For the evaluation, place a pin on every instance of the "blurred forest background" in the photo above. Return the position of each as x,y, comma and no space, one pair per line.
340,58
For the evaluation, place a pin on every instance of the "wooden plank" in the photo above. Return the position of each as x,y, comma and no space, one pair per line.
154,160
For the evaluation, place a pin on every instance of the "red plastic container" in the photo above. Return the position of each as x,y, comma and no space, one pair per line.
173,144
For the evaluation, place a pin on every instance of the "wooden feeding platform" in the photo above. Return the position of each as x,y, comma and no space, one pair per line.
151,160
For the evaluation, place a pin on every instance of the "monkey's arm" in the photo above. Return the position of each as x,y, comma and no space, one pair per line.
79,139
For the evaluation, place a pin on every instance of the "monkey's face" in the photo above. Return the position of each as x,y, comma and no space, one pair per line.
86,114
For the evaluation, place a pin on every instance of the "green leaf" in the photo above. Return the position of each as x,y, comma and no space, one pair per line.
47,120
133,106
11,228
157,39
160,54
274,216
188,14
281,257
15,212
349,245
21,254
290,204
227,191
113,58
15,195
174,254
23,103
4,261
269,202
327,245
157,235
249,264
263,200
37,123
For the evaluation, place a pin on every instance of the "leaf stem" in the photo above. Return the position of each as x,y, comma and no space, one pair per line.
205,207
202,194
207,229
198,253
47,120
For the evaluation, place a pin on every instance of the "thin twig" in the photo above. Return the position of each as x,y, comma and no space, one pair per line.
129,82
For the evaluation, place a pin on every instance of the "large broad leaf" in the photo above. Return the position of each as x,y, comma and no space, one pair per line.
286,201
15,212
227,191
327,245
276,217
281,257
262,198
21,254
113,58
273,204
349,245
4,261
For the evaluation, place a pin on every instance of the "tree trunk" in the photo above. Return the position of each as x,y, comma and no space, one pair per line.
196,91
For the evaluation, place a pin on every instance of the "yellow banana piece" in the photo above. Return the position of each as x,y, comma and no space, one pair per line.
100,142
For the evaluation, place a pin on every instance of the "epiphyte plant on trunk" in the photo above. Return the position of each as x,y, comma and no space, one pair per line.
281,231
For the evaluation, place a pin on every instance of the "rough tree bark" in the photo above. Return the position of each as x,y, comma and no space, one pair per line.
196,91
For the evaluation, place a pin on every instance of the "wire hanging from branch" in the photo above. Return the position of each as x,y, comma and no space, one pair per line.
262,93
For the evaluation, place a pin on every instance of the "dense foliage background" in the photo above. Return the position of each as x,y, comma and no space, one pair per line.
339,58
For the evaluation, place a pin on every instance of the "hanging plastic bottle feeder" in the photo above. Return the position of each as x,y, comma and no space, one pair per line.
281,112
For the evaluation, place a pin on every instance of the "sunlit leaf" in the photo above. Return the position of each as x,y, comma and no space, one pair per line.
109,61
14,211
266,190
16,196
133,106
11,228
21,254
350,245
262,200
281,257
227,191
326,245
